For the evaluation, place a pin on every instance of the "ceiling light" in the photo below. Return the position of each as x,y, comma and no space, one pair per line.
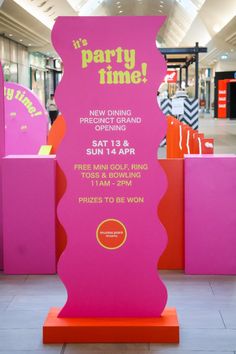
87,6
216,28
159,10
161,5
21,40
118,2
224,57
10,34
119,6
48,9
42,4
120,11
35,12
232,50
29,44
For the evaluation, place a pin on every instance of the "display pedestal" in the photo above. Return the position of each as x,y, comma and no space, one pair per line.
28,197
210,227
164,329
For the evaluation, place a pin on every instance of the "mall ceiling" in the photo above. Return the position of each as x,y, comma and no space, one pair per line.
212,23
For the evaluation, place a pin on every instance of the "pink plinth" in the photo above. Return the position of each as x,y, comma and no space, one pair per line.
210,214
29,214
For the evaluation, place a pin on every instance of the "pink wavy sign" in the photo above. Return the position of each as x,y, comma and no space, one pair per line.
109,157
2,154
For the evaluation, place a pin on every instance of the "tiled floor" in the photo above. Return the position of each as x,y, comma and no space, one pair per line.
206,305
222,130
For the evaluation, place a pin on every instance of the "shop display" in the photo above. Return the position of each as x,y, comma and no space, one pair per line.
177,106
182,140
231,94
171,77
187,110
222,98
225,95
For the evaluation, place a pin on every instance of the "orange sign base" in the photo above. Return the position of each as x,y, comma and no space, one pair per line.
164,329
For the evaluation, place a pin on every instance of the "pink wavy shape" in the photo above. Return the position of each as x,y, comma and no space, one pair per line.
100,282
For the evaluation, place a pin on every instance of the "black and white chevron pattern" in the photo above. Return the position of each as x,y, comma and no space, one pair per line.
191,112
190,116
165,106
163,143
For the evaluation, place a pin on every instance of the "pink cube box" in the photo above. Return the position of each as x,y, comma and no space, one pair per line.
210,214
29,214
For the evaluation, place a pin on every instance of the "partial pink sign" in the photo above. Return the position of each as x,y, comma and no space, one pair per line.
26,120
2,153
109,157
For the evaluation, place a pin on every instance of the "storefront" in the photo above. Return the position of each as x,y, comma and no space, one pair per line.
179,94
53,76
225,91
205,90
38,75
14,58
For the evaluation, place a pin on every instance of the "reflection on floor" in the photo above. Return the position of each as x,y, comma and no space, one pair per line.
223,131
206,305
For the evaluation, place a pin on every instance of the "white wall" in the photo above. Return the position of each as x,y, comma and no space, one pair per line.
225,65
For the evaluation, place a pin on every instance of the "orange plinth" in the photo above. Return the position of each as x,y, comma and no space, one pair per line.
56,133
55,137
164,329
171,213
